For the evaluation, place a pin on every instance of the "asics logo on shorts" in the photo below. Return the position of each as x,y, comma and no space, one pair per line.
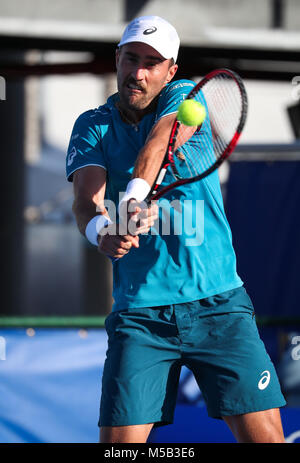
264,381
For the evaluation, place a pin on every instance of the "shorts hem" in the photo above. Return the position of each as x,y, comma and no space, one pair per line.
230,410
157,422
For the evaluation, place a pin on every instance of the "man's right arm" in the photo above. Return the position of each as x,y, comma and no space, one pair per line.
89,190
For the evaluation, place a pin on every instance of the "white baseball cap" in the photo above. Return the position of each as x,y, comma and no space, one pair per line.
153,31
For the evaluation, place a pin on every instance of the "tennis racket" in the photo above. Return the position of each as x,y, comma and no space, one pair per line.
194,153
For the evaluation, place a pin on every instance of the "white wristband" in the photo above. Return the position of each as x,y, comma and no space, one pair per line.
137,189
94,227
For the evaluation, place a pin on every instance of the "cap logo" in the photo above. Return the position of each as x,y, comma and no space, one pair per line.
150,30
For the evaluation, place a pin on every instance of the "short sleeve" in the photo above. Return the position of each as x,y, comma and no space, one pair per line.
171,97
84,146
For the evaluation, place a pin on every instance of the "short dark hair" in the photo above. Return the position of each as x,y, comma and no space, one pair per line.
172,62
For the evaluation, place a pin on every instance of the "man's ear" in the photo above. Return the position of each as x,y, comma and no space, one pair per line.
117,56
171,73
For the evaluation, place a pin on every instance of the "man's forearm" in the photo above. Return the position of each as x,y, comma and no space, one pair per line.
84,211
149,162
152,154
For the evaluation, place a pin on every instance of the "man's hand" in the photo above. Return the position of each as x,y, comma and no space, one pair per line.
115,245
135,219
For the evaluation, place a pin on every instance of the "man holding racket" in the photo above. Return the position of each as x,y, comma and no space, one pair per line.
174,304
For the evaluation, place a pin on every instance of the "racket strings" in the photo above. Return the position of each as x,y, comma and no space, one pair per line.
223,100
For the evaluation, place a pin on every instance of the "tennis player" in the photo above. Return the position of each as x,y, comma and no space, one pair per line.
176,302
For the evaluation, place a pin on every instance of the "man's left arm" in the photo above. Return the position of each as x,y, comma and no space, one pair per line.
151,156
145,171
149,161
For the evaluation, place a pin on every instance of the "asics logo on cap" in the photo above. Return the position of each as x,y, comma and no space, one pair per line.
150,30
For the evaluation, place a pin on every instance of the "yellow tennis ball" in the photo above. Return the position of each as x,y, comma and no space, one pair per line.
191,112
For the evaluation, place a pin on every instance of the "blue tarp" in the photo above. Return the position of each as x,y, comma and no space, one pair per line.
50,385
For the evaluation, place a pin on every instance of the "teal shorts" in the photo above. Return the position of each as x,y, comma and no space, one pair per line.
216,338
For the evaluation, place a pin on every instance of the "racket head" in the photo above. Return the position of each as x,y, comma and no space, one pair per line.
195,152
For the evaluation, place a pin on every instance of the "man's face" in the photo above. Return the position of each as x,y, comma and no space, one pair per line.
141,74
